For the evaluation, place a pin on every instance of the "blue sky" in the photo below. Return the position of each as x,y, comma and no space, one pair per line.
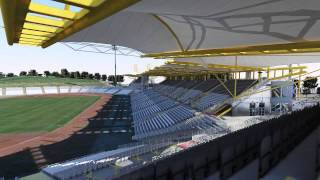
18,58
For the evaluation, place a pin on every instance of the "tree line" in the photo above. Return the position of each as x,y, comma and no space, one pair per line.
64,73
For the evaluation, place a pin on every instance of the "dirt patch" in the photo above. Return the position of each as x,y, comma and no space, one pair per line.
11,143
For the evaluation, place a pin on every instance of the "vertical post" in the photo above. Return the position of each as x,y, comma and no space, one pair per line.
235,79
290,72
299,85
114,47
268,73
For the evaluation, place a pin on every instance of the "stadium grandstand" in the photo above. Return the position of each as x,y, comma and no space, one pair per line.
232,104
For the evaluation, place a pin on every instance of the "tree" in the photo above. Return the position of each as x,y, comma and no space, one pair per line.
10,75
120,78
46,73
55,74
72,74
23,73
77,75
64,73
111,78
309,83
32,72
84,75
2,75
97,76
104,77
90,76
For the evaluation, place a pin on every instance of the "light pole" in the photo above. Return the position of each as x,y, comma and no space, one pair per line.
114,48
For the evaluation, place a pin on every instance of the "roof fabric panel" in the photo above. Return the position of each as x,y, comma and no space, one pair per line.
205,24
257,61
138,31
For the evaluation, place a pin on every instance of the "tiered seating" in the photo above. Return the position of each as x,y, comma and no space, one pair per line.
163,120
156,111
168,86
221,94
184,86
202,87
210,100
147,99
194,124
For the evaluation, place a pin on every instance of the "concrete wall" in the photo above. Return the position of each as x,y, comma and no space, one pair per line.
25,91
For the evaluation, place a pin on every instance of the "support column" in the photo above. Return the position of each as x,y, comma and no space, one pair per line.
24,89
299,86
290,72
259,75
235,86
235,79
58,89
4,91
248,75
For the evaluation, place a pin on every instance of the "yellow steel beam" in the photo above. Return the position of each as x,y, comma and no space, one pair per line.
222,83
101,12
37,33
51,11
28,41
288,75
298,47
13,15
38,27
225,112
33,37
31,40
288,68
88,4
218,66
236,67
46,21
285,84
29,44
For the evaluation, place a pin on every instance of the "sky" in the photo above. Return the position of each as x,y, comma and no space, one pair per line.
18,58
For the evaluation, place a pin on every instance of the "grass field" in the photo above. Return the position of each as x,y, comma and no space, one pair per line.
28,81
40,114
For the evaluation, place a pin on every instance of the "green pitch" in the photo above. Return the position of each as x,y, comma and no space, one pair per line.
40,114
30,81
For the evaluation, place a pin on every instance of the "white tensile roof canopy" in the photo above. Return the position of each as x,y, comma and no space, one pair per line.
153,26
198,30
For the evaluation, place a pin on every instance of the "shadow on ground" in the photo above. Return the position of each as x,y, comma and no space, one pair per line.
110,128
